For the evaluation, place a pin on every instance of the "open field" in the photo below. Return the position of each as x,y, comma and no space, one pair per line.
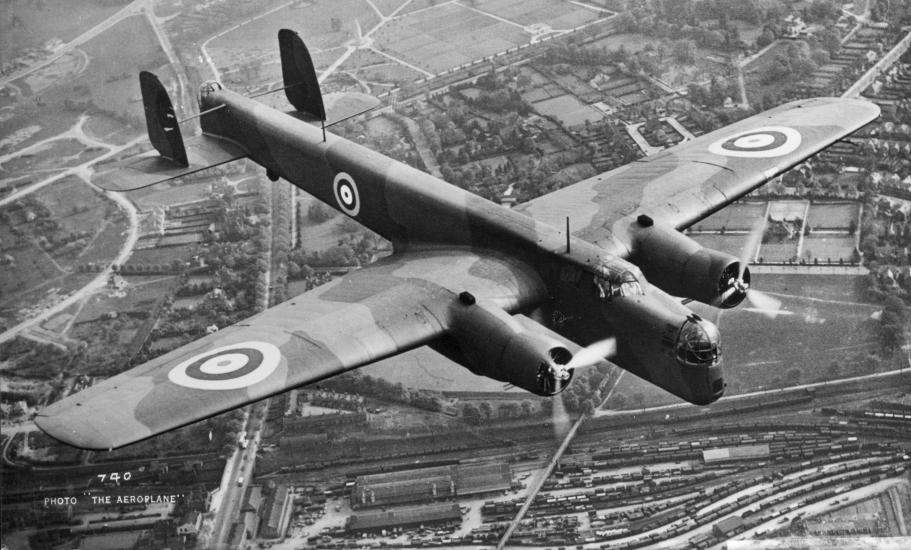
31,24
256,41
425,369
818,326
447,36
732,244
557,15
113,86
778,252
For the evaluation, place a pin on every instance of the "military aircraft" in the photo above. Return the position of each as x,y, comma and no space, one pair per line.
511,294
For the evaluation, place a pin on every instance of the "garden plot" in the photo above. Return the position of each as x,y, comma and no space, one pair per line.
568,110
737,217
832,216
833,249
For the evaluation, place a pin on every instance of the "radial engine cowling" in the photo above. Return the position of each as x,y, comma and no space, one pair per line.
512,349
682,267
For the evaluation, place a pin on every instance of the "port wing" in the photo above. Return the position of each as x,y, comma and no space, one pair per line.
389,307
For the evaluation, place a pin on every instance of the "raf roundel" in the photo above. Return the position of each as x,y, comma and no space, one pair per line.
346,194
228,368
766,142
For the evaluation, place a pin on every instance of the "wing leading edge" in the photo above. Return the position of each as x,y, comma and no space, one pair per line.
686,183
373,313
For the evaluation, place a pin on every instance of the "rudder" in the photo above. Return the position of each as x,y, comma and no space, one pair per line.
161,122
299,75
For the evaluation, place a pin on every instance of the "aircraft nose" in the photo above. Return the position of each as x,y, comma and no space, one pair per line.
698,343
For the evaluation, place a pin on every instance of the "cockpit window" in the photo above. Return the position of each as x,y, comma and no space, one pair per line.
208,87
612,283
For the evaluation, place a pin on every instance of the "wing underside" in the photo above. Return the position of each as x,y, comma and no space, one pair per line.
686,183
398,304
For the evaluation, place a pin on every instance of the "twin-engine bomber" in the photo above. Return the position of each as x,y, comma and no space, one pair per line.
512,294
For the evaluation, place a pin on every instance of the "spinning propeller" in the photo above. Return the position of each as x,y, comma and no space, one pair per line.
739,283
588,356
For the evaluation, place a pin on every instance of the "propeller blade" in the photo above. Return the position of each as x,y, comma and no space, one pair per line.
593,354
560,420
751,247
768,305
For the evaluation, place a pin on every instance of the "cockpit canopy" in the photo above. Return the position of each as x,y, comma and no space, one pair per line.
208,87
612,283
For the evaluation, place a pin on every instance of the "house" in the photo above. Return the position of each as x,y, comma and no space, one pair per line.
191,524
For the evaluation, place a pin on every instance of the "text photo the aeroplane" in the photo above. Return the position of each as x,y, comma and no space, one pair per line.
511,294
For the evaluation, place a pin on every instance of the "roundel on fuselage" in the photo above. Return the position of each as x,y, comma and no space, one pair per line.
346,194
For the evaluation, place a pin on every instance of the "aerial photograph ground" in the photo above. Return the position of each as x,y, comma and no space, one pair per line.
810,447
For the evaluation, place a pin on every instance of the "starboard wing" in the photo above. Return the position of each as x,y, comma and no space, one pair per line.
395,305
686,183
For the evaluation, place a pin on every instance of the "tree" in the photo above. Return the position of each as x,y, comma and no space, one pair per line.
471,414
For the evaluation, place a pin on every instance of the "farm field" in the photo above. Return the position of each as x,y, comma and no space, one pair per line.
557,15
449,35
824,321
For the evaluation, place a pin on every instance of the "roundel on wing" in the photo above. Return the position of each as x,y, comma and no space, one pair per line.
228,367
765,142
346,194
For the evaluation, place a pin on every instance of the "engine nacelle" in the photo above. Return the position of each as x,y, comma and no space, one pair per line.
682,267
511,349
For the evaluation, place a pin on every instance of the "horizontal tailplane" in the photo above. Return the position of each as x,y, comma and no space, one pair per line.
173,157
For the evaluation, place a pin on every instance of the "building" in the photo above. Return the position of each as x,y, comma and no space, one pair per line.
429,515
246,526
427,484
277,512
728,527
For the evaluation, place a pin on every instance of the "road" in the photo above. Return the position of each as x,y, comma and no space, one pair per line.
84,172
